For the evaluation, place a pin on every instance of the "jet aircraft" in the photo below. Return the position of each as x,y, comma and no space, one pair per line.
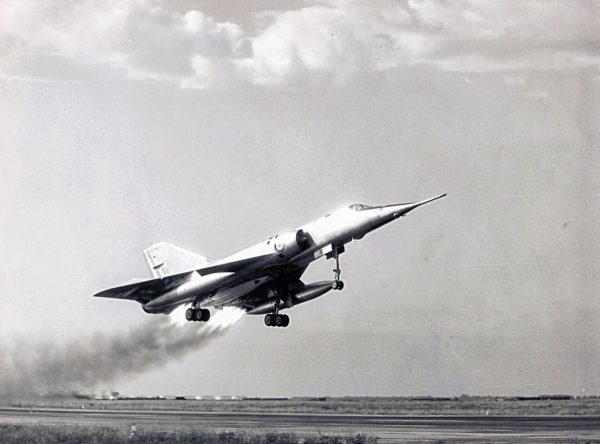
261,279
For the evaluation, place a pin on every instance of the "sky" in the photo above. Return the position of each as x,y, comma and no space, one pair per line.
216,124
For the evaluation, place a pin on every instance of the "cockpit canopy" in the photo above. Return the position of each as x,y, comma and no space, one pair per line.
360,207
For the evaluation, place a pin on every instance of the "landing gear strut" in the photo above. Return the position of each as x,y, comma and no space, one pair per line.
197,314
275,319
337,283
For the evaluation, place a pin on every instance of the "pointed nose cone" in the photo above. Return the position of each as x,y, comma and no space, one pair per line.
396,211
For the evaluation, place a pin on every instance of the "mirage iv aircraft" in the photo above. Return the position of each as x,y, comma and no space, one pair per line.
262,279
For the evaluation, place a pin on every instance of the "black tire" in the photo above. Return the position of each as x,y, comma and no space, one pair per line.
340,285
190,315
334,285
205,315
268,320
278,320
198,315
286,321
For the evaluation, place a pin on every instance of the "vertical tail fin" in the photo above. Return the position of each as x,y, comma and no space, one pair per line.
165,259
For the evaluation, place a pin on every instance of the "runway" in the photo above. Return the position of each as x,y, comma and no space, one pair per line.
388,428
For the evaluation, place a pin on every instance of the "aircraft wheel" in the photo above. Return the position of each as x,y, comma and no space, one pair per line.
340,285
205,315
269,320
278,320
286,321
189,314
334,285
199,315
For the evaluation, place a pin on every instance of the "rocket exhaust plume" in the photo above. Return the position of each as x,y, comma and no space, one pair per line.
87,363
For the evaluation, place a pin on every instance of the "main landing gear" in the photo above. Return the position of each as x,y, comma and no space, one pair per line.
337,283
197,314
277,320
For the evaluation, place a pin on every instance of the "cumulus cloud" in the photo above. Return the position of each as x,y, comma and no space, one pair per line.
332,41
142,39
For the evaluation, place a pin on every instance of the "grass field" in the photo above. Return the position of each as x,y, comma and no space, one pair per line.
349,405
42,434
116,430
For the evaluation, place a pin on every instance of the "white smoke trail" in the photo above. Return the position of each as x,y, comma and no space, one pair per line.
86,364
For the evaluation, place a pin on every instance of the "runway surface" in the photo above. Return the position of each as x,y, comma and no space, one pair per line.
388,428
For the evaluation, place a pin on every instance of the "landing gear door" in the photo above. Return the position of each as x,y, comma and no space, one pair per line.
335,251
326,250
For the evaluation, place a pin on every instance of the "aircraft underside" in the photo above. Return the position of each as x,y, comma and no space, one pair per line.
280,290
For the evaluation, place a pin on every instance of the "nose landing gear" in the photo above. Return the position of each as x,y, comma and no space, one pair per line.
197,314
337,283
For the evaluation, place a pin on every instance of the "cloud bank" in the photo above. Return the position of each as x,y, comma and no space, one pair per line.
333,41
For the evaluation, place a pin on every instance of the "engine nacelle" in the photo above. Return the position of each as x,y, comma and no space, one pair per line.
312,291
264,308
304,294
291,243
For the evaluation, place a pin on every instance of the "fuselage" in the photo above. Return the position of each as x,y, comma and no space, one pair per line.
242,272
337,228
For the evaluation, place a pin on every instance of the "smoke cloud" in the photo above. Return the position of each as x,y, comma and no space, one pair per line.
86,364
